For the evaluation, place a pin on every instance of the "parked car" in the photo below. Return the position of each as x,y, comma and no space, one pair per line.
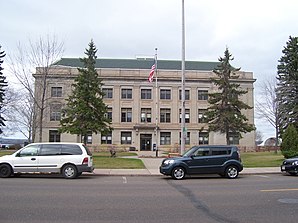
68,159
290,166
222,160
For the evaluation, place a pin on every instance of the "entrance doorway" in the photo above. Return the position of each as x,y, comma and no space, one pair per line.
146,142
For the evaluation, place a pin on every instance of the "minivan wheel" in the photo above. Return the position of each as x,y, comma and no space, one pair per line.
178,173
231,172
69,171
5,171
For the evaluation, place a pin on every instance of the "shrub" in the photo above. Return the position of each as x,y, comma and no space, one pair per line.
289,145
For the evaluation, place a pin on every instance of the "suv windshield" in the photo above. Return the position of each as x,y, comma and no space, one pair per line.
190,151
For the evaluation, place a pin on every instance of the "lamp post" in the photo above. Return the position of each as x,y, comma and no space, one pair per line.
183,129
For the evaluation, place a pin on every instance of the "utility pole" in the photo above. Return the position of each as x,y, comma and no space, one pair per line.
183,129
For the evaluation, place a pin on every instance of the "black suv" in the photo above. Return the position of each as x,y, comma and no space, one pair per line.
222,160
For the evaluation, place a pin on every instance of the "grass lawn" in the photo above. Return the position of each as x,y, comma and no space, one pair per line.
262,159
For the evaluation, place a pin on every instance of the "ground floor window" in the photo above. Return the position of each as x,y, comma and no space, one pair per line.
234,138
165,138
106,138
125,137
54,136
187,140
203,138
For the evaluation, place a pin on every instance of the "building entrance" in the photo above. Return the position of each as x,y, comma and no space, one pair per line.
146,142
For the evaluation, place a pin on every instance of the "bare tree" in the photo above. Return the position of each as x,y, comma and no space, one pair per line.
266,105
40,54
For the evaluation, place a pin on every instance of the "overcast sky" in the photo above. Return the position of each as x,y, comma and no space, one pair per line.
255,31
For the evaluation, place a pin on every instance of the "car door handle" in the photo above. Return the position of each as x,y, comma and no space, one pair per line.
33,158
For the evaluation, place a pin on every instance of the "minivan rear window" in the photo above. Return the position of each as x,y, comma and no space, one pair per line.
68,149
87,150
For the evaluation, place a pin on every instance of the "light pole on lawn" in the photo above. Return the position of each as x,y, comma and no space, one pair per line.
183,129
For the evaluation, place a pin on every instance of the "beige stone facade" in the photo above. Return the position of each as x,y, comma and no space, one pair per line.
143,115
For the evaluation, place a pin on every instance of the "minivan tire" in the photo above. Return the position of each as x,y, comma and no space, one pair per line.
178,173
5,171
69,171
231,172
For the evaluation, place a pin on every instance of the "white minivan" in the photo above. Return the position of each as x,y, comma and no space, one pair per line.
68,159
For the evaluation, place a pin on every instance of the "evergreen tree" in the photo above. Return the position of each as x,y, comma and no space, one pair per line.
85,111
224,113
287,86
3,85
289,145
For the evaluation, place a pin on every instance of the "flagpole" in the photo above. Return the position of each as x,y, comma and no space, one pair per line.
183,130
156,105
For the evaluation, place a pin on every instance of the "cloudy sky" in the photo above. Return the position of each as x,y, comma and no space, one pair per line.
254,31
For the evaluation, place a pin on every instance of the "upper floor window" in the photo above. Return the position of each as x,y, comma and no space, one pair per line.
146,115
108,92
187,115
109,114
126,93
165,94
56,92
126,114
165,115
187,94
203,95
146,94
202,118
55,112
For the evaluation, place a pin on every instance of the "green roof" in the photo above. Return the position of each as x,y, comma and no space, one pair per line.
140,64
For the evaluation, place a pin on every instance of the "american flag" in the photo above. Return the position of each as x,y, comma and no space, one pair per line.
150,78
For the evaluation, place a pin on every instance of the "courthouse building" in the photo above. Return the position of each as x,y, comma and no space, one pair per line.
144,114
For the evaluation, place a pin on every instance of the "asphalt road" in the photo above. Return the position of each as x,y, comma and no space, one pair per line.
254,198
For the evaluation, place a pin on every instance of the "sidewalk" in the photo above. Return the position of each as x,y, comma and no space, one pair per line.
152,168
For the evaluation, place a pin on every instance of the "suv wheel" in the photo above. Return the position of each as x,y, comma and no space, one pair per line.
69,171
231,172
5,170
178,173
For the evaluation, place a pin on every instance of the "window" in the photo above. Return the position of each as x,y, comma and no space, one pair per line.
55,112
109,114
165,138
220,151
187,115
31,150
146,115
165,94
203,95
126,93
146,94
202,118
50,150
202,152
234,138
126,115
108,92
203,138
71,150
89,138
56,92
106,138
165,115
186,95
125,137
187,140
54,136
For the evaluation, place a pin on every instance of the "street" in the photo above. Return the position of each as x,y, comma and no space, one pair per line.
250,198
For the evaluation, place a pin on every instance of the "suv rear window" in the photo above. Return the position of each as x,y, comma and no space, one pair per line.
87,150
220,151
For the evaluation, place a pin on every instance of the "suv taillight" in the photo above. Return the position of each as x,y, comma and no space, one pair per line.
85,161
